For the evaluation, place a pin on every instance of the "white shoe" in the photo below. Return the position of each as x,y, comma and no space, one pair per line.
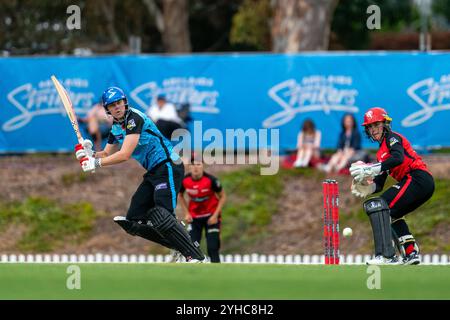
380,260
198,261
298,164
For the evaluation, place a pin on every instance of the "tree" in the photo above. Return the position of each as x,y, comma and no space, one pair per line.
349,29
250,25
300,25
176,19
173,24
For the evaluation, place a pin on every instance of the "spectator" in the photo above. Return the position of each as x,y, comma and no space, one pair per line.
348,148
98,124
164,115
308,144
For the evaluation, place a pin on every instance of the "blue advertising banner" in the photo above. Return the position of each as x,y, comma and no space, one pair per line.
232,91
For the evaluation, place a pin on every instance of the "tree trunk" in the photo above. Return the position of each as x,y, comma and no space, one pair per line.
156,14
176,37
107,8
300,25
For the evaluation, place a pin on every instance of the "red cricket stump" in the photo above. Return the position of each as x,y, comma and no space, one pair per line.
331,221
326,243
335,215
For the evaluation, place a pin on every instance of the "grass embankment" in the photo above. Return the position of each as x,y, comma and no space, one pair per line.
47,224
252,201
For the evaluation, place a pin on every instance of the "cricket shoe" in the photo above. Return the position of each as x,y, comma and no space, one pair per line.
412,259
191,260
380,260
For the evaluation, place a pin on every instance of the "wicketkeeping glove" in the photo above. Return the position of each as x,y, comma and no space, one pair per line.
362,189
363,172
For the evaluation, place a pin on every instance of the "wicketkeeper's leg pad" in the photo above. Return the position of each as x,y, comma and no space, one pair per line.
379,214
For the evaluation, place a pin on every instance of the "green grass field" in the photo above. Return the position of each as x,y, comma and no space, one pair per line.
223,282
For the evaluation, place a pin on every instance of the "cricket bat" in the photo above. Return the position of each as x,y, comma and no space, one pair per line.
68,106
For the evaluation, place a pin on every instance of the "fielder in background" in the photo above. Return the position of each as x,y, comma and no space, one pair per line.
415,186
203,210
151,214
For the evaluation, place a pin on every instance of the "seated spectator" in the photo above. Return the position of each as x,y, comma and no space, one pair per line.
184,113
348,147
98,124
165,116
308,144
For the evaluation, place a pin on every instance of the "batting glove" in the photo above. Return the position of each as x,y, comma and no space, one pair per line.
84,149
361,172
80,153
89,164
87,146
362,189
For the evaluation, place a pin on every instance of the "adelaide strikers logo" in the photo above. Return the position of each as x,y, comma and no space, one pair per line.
432,96
198,92
32,101
312,93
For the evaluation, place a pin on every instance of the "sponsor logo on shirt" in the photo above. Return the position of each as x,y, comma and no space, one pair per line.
131,124
392,141
161,186
199,199
192,191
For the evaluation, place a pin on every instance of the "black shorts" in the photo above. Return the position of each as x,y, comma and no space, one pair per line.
409,193
159,188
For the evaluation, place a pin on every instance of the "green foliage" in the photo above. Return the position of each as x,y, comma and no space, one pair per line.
434,212
441,7
39,27
252,199
349,20
48,225
251,25
252,202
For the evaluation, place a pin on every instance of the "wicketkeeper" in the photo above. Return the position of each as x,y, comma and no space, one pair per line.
151,214
415,185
